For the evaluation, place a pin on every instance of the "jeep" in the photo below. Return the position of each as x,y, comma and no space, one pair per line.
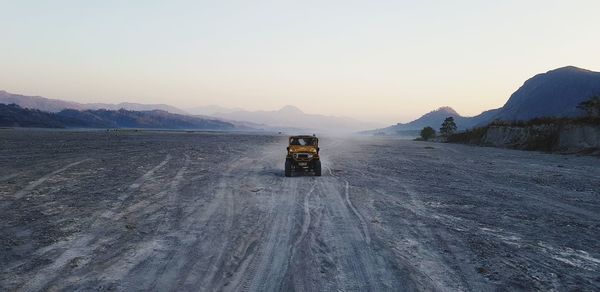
303,155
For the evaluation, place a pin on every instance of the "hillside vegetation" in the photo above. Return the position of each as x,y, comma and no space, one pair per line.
15,116
12,115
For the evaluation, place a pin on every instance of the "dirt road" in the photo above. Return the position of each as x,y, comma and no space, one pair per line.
167,211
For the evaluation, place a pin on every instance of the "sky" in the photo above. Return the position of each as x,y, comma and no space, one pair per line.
385,61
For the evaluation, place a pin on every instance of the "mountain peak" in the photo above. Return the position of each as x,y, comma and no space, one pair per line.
553,94
447,109
569,69
290,109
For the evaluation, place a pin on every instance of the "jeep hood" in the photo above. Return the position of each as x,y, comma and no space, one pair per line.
299,148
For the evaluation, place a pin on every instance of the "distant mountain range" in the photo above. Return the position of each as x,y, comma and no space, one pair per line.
13,115
56,105
289,118
552,94
292,117
555,93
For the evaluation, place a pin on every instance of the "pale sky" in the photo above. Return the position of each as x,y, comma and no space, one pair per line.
387,61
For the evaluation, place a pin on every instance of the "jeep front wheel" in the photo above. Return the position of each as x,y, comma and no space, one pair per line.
288,168
317,168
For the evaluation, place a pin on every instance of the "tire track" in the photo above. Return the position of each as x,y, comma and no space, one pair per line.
32,185
305,221
361,219
191,265
151,248
9,176
354,261
173,195
266,267
269,264
418,245
209,279
363,224
136,185
80,246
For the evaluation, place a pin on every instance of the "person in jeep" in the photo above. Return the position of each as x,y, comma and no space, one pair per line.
303,141
303,155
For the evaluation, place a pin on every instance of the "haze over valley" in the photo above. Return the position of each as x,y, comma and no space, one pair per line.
556,93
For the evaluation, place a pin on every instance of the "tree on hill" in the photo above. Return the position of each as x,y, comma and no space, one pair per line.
448,127
591,106
427,133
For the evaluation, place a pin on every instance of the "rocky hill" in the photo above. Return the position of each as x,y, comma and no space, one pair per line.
555,93
569,135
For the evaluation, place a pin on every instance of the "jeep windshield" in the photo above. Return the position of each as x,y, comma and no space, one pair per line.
303,141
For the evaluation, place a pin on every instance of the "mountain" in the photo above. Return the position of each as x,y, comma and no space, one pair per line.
56,105
12,115
288,118
434,119
135,107
292,117
210,110
555,93
155,119
15,116
38,102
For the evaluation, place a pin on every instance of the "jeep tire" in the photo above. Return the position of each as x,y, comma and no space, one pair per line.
288,168
317,167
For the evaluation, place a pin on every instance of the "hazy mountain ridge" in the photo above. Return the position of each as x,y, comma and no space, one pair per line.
210,110
13,115
38,102
434,119
288,118
136,107
57,105
555,93
292,117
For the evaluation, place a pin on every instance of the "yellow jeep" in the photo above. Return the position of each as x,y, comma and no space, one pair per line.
303,155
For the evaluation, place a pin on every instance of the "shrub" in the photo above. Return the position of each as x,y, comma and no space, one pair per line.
472,136
427,133
591,106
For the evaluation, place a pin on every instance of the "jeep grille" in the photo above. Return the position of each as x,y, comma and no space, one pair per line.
302,156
